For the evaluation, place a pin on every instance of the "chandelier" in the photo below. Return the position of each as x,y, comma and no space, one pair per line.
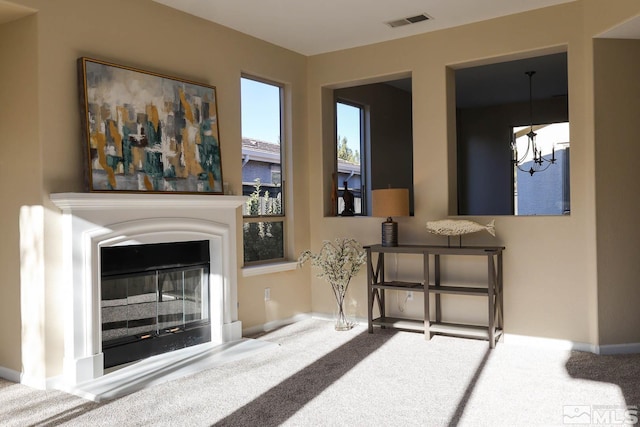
536,162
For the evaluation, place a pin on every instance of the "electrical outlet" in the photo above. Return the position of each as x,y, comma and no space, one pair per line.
409,295
267,294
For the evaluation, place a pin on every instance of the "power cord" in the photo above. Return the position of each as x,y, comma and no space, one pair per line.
402,305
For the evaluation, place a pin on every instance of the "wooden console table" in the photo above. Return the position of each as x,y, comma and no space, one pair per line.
377,285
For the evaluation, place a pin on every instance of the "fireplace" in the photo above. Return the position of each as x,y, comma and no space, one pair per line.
182,292
153,299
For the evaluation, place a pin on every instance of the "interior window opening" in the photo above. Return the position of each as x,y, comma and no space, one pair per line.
499,169
368,142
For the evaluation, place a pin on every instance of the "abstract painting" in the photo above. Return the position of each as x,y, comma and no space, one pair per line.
146,132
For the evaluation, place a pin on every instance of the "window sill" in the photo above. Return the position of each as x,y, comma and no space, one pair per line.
276,267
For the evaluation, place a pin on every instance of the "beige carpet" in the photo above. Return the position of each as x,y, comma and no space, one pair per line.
318,377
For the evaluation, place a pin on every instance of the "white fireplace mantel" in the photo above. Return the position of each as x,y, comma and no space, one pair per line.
95,220
69,202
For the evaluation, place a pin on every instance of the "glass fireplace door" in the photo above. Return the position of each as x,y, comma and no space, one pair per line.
151,304
181,299
154,299
154,312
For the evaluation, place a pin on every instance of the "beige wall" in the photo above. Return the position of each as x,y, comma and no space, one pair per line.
149,36
38,67
20,169
550,262
617,96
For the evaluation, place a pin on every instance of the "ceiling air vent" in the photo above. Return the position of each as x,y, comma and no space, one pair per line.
409,20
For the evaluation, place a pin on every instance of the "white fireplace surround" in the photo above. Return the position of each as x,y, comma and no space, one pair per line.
95,220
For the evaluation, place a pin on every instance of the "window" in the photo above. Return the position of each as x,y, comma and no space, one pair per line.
350,143
262,172
543,193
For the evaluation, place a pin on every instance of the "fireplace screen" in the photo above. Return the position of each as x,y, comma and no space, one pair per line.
154,299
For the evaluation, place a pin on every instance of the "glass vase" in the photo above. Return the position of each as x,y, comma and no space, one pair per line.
342,322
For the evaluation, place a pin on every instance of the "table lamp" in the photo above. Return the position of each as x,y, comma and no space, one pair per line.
390,202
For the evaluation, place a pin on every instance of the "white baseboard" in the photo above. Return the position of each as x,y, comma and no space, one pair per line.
274,324
330,317
539,342
232,331
19,378
551,343
9,374
269,326
33,382
572,345
321,316
619,349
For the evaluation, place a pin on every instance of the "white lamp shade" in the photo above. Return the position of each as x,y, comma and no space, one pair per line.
390,202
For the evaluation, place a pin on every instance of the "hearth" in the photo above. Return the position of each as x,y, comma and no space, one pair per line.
154,299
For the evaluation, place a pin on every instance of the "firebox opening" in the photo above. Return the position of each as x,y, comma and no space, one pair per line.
154,299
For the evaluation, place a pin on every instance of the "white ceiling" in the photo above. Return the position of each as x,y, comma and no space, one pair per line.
312,27
626,30
12,12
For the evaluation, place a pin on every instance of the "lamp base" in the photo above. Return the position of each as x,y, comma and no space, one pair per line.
389,233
